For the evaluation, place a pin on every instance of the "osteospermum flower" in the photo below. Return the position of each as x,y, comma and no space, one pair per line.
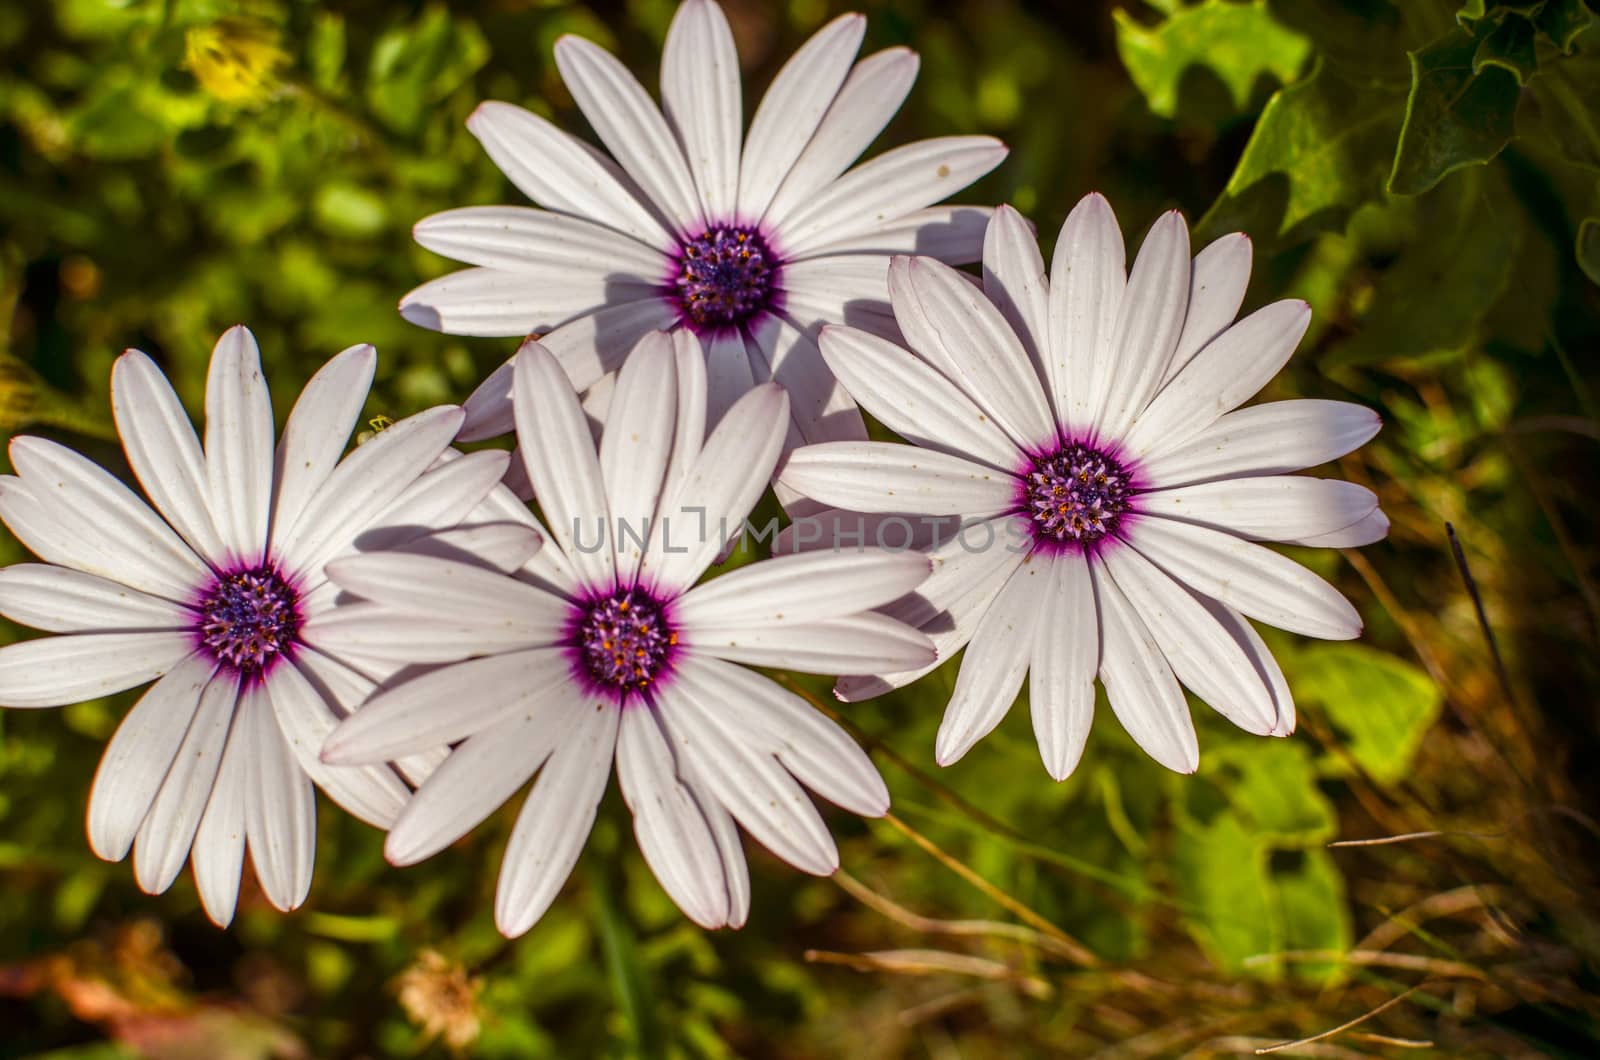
603,648
749,245
213,598
1082,431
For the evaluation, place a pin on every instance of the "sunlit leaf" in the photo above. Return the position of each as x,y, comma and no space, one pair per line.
1239,45
1379,704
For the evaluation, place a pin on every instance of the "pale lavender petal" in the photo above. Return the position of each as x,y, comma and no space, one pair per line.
239,445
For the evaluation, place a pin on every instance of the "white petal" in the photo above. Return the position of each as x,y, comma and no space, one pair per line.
1066,657
429,711
138,757
318,429
1216,289
1267,668
55,671
373,632
1223,375
451,592
996,661
631,126
755,788
730,846
870,96
793,108
836,288
1206,657
239,445
889,186
723,485
1087,279
488,408
952,234
1266,507
62,600
168,830
477,778
830,528
497,303
1268,439
1140,686
1251,578
803,588
587,349
853,644
811,746
498,546
163,451
557,170
93,523
436,500
1014,280
886,477
218,852
700,95
689,433
372,793
516,239
634,454
1373,528
990,364
562,464
1149,322
343,689
819,407
969,571
362,486
555,820
672,830
280,809
728,374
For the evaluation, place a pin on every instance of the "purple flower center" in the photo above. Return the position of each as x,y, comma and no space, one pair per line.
725,276
624,641
249,618
1075,495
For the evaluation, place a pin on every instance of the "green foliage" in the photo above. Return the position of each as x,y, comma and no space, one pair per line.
1382,706
1238,44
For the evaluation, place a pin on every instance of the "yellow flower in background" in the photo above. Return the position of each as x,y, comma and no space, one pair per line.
236,60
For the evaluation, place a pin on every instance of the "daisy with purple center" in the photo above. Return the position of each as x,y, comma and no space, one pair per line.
748,241
213,599
604,649
1093,492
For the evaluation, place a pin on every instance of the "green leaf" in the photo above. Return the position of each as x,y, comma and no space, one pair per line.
1239,44
1588,248
1434,296
419,63
1312,908
1563,21
1454,117
1219,870
1568,95
1510,47
349,210
1320,150
1383,706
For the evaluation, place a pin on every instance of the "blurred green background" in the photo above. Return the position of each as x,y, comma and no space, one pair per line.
168,169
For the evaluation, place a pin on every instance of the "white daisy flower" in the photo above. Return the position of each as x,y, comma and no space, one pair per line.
604,648
748,244
214,596
1082,430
